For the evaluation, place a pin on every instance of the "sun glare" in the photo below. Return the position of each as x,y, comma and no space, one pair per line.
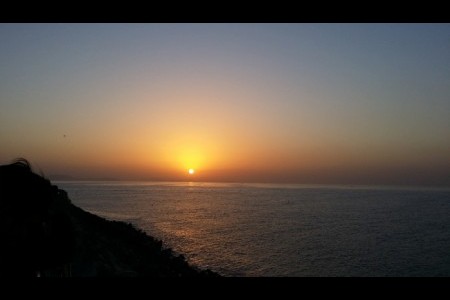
191,171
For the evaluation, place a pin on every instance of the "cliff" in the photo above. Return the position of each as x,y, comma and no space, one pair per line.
45,235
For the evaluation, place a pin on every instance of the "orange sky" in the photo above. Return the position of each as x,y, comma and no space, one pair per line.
266,103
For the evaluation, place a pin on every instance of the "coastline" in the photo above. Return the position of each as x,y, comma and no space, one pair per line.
45,235
106,248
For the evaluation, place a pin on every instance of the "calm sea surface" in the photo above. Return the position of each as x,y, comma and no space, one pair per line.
284,230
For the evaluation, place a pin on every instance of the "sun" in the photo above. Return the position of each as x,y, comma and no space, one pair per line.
191,171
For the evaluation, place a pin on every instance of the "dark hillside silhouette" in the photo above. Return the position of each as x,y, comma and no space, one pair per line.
43,234
36,233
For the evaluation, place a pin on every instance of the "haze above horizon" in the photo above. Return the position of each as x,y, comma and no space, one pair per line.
305,103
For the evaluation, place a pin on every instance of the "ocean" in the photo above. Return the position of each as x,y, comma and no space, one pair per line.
284,230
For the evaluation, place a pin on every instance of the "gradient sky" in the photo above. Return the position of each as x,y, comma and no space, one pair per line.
306,103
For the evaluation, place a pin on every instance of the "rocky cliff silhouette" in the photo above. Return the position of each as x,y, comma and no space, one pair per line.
44,235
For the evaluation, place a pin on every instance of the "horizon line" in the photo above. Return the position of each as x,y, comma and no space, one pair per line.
331,185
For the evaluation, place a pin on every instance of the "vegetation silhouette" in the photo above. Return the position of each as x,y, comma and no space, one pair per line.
44,235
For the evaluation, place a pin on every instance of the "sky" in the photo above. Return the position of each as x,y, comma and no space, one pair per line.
297,103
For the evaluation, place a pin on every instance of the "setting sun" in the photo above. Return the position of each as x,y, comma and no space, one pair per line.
244,149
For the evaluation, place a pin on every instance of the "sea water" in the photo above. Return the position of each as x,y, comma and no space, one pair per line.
284,230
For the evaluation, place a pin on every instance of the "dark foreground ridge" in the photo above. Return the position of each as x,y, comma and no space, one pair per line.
44,234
